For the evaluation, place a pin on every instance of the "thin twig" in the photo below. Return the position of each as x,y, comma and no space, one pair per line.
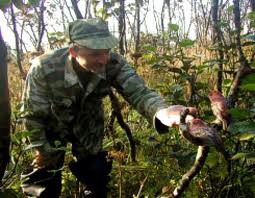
141,187
124,126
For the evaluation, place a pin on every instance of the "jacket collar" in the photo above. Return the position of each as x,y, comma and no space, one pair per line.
70,77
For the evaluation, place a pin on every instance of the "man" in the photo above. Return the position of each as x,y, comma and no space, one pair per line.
62,103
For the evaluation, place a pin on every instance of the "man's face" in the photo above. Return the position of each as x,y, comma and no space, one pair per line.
93,60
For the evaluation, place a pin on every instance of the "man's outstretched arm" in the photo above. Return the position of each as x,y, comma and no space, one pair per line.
146,101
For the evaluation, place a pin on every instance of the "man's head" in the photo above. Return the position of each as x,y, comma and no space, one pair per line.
91,43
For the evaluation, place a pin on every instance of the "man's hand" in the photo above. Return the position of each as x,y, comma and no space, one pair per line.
46,157
171,116
41,160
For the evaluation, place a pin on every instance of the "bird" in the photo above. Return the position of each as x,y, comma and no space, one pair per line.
220,108
200,133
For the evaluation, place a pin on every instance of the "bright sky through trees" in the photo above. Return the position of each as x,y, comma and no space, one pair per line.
148,17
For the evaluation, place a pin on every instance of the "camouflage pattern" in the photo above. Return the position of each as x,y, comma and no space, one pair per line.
55,102
91,33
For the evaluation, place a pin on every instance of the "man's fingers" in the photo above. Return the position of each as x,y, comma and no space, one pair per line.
189,118
171,116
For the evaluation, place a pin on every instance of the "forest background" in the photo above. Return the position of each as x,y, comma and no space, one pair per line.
183,49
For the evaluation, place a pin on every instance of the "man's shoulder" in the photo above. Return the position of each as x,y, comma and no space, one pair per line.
117,64
50,61
54,57
116,58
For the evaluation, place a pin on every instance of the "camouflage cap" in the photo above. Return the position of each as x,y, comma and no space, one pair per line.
91,33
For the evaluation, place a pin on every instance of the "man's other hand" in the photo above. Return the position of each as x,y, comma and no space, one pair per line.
47,157
171,116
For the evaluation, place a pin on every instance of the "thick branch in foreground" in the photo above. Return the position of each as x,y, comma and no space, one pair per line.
76,9
202,153
124,126
195,169
5,111
217,42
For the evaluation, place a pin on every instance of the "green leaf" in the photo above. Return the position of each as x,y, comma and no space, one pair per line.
212,159
156,66
246,136
251,15
184,158
186,43
242,127
34,2
32,146
249,87
230,9
4,4
150,58
173,27
8,193
249,37
227,82
239,114
148,47
241,155
249,79
176,88
222,23
249,182
24,134
18,4
211,62
201,68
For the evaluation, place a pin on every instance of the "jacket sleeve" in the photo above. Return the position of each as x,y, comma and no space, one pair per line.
35,105
146,101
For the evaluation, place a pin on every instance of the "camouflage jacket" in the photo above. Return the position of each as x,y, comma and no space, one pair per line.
54,100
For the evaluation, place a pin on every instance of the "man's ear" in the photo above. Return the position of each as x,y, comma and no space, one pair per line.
73,52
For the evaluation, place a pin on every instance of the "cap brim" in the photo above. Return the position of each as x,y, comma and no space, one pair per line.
99,43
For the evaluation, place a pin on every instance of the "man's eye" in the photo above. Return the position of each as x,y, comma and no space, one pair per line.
94,54
97,54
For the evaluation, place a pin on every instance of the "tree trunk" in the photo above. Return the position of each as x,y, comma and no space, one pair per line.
137,37
122,27
237,22
5,109
87,10
162,25
16,41
41,25
169,21
69,10
245,68
76,9
63,16
217,42
252,2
